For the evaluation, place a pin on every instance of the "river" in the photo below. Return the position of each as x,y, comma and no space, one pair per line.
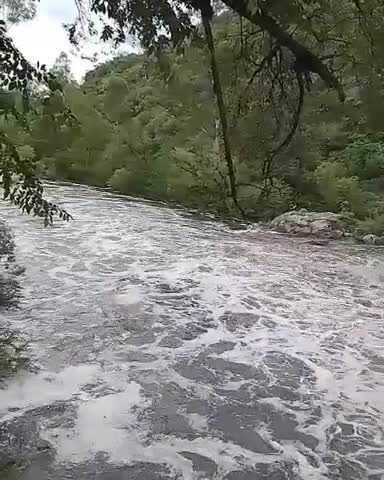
170,347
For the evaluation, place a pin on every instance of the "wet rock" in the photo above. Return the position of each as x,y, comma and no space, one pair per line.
238,226
319,242
16,270
372,240
201,463
369,239
301,222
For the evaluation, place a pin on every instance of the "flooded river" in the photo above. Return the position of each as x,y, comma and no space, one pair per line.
170,347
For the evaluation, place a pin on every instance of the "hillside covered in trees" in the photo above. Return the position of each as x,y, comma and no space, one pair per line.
147,124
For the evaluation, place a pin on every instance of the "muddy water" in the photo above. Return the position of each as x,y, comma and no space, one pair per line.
172,348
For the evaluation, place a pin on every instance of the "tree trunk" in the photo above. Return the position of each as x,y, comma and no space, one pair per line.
217,88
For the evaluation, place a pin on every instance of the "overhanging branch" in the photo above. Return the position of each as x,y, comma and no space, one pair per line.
305,59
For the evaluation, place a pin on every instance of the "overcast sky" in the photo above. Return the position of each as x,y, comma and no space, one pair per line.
44,38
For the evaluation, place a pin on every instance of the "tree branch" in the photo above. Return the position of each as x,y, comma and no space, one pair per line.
304,57
287,140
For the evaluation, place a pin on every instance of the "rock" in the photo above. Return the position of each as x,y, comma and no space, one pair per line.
239,226
371,239
320,242
16,270
324,224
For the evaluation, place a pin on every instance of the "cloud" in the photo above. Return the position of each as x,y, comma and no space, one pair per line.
44,38
61,10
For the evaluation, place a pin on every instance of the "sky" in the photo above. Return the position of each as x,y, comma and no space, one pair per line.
44,38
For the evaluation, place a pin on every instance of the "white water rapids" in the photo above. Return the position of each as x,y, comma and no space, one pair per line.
170,347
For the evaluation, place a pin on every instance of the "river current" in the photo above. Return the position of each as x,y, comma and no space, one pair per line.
168,346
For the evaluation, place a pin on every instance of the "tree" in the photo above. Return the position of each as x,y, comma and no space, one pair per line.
15,11
18,78
159,23
206,17
62,69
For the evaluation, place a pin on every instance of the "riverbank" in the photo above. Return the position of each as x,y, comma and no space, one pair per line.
321,225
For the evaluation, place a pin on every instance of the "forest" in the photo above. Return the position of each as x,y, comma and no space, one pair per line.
147,124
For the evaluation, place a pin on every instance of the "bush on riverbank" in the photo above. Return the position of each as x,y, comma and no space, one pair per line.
13,348
13,353
145,137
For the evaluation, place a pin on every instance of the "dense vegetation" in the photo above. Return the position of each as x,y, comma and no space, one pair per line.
148,124
13,348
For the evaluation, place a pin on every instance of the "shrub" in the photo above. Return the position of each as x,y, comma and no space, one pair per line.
364,157
12,346
121,181
340,193
13,353
373,225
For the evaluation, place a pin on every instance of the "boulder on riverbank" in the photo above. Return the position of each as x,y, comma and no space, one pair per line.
371,239
320,224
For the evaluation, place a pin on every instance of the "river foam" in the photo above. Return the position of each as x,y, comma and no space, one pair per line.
173,348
